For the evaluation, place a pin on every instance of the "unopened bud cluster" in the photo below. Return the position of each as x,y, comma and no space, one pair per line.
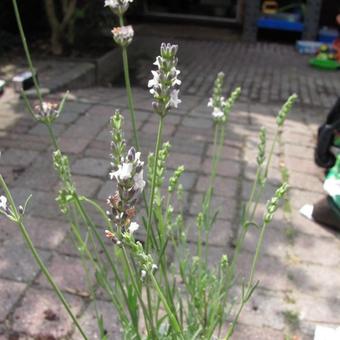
123,35
46,112
161,166
286,108
261,154
164,84
222,107
273,204
174,179
145,261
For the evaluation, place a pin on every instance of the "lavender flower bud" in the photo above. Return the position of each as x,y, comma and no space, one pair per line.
273,204
46,112
261,155
131,154
123,35
287,106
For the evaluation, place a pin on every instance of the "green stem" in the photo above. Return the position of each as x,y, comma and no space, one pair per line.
87,220
249,287
27,52
130,98
100,210
172,318
52,136
147,313
153,184
37,257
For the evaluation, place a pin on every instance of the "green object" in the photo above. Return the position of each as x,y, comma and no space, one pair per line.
324,64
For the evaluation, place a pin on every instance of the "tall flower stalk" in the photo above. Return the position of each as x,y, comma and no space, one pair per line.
123,36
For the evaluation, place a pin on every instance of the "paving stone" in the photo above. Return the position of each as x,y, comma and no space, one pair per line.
197,122
41,130
42,204
151,128
318,310
106,190
91,166
299,198
69,274
317,250
25,141
9,295
275,241
190,162
45,233
305,182
17,157
225,206
73,107
271,271
314,280
73,145
188,179
32,177
220,233
308,227
228,152
226,187
225,168
41,314
257,333
299,151
265,309
89,321
17,263
87,186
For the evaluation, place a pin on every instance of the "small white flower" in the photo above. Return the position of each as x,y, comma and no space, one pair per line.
139,181
154,267
3,203
217,113
134,226
174,101
154,82
210,102
123,173
143,274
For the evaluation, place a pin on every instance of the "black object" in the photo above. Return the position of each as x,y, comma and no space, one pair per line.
327,213
23,81
326,132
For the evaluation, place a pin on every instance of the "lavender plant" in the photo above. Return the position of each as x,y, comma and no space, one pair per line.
157,295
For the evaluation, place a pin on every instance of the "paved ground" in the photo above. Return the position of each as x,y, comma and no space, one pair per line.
299,270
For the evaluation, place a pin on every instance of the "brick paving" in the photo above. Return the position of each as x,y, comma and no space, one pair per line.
299,270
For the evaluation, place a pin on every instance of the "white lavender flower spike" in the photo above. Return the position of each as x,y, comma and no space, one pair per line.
119,7
164,84
123,35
